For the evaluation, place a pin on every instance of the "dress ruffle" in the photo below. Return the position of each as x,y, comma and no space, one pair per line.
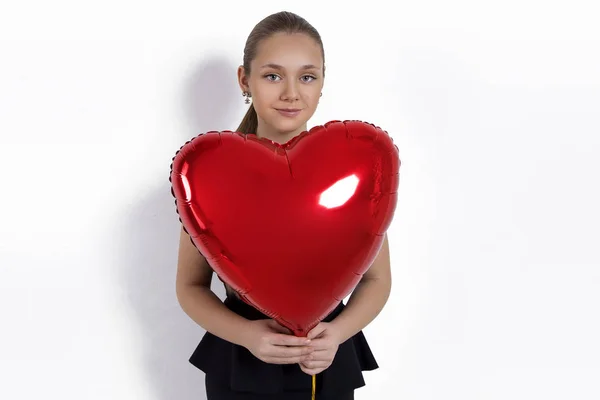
242,371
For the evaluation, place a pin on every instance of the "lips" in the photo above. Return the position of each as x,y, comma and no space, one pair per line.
289,112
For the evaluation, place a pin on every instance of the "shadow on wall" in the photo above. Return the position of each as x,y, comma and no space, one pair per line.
167,335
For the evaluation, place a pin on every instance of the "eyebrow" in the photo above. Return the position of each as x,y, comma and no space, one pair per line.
276,66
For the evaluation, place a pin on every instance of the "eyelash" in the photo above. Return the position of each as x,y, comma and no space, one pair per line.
313,77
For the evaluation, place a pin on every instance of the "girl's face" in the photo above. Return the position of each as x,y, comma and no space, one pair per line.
287,73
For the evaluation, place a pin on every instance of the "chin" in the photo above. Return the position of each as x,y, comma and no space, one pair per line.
288,126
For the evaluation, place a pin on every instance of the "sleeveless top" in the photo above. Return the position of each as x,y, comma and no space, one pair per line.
236,367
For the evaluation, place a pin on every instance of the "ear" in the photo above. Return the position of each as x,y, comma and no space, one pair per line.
242,79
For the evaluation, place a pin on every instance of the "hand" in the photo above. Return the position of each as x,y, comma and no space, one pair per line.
275,344
325,342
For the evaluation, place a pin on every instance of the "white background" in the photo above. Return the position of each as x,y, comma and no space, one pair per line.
493,105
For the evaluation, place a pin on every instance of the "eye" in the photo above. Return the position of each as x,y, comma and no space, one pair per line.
268,75
309,76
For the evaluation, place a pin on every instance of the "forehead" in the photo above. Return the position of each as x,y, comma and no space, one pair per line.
289,51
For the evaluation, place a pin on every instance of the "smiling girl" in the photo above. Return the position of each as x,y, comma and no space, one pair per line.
244,354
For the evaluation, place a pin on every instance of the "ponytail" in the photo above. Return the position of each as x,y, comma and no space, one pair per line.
249,123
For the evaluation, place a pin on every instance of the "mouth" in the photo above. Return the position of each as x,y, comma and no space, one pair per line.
289,112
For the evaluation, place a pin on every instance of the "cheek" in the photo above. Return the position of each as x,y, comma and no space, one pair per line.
314,96
266,96
260,99
314,102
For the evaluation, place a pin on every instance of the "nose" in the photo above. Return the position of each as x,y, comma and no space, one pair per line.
290,91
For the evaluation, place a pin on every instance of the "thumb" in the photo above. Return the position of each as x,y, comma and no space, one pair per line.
316,331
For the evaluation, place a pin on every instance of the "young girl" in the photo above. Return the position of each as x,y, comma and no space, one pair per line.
244,354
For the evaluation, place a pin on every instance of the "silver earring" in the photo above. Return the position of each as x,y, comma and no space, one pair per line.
247,97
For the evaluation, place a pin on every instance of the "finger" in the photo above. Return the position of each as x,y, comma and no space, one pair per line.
316,331
280,339
288,351
284,360
311,371
321,355
321,344
311,364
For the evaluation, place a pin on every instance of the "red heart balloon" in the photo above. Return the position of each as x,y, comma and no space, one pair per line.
291,227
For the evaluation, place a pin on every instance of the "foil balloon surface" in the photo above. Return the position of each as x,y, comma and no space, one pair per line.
290,227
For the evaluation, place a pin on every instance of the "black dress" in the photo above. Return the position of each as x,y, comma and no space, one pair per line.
234,373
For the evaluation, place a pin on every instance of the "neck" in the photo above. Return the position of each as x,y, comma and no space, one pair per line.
281,137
